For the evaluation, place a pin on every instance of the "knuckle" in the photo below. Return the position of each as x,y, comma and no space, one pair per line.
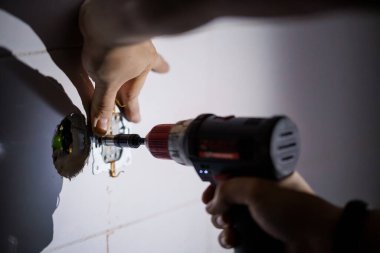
130,96
223,189
102,108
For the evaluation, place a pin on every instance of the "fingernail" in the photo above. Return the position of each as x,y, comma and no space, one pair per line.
102,125
223,241
219,221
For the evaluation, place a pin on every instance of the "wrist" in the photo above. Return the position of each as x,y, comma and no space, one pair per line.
318,230
353,232
371,233
323,239
109,24
163,17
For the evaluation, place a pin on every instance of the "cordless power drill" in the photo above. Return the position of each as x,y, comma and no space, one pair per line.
227,146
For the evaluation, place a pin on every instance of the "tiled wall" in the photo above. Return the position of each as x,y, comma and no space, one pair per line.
321,71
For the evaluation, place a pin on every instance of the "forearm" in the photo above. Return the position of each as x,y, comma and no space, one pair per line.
358,229
282,8
116,22
323,234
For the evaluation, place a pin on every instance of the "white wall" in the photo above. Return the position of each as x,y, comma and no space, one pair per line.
321,71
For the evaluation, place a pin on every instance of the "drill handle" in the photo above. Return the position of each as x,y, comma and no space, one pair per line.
251,238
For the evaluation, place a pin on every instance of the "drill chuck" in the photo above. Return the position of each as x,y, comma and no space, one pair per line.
157,141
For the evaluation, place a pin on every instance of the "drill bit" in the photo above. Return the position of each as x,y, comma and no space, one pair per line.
123,140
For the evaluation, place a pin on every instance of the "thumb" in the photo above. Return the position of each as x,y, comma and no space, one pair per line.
102,106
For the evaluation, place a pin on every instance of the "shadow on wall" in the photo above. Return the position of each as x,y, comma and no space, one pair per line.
31,106
56,25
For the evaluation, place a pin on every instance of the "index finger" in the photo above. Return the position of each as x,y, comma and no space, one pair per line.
128,96
208,194
160,65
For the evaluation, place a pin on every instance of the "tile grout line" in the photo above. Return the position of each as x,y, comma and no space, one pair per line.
38,52
107,243
109,231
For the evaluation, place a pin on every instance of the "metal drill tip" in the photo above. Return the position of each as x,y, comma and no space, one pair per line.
123,140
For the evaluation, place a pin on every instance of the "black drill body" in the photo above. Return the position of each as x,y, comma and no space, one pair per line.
228,147
234,147
241,147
